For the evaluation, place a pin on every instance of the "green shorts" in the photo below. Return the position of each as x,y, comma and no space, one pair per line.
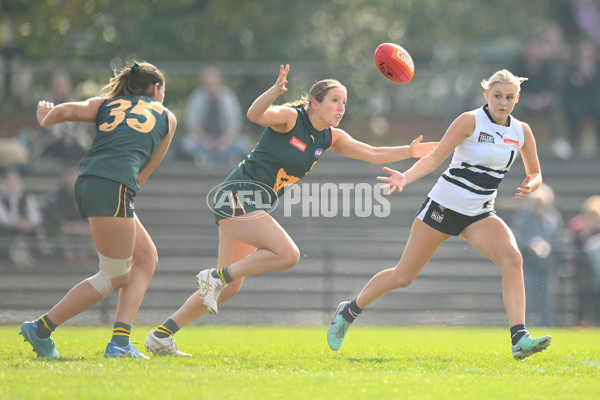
102,197
236,199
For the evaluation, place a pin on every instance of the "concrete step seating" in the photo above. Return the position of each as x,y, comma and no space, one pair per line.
339,254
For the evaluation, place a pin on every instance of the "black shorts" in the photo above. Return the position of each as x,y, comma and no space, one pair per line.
446,220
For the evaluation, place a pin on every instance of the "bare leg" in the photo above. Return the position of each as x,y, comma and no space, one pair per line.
230,251
276,250
114,238
421,245
492,237
145,258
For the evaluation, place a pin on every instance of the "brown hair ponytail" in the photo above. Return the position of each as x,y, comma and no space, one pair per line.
134,80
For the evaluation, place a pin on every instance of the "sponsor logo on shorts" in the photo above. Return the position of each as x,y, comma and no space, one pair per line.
131,205
318,152
297,143
485,138
436,216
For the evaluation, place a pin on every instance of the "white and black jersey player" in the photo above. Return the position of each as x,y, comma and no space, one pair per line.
485,143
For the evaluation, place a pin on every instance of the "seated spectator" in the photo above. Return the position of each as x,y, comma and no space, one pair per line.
13,155
15,130
19,219
64,224
213,121
65,149
67,142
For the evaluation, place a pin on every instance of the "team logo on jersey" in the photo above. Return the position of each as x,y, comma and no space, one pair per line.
297,143
485,138
318,152
513,142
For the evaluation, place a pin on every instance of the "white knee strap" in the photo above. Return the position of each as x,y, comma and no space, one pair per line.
109,268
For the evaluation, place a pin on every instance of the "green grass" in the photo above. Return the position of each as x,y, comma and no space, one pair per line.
249,362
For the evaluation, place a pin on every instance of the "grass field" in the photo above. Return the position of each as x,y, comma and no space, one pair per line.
250,362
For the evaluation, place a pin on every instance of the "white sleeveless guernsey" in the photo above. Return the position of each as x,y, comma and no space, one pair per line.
470,184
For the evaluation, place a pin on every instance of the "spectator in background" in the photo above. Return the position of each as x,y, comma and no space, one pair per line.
580,94
585,230
19,218
541,102
65,148
69,141
13,154
213,122
538,227
64,224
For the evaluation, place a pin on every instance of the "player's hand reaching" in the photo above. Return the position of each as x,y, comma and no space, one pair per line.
279,86
419,150
524,189
396,180
43,109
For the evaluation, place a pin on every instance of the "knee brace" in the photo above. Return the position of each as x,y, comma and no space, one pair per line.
109,268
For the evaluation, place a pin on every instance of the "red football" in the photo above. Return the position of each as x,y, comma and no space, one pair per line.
394,63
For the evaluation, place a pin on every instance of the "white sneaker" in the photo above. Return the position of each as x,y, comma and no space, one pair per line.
163,346
210,289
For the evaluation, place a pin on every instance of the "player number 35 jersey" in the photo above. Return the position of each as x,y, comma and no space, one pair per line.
470,184
128,132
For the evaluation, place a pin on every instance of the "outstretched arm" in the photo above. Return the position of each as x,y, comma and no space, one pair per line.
81,111
347,146
460,129
280,118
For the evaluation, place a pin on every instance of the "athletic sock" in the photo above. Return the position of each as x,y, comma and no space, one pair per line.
351,311
121,334
169,327
45,327
223,274
517,332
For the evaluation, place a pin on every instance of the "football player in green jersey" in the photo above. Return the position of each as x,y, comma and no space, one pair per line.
250,240
133,133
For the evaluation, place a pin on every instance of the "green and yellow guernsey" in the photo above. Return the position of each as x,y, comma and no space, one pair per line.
281,159
128,132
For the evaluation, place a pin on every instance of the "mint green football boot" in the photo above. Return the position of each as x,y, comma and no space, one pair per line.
338,328
527,346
